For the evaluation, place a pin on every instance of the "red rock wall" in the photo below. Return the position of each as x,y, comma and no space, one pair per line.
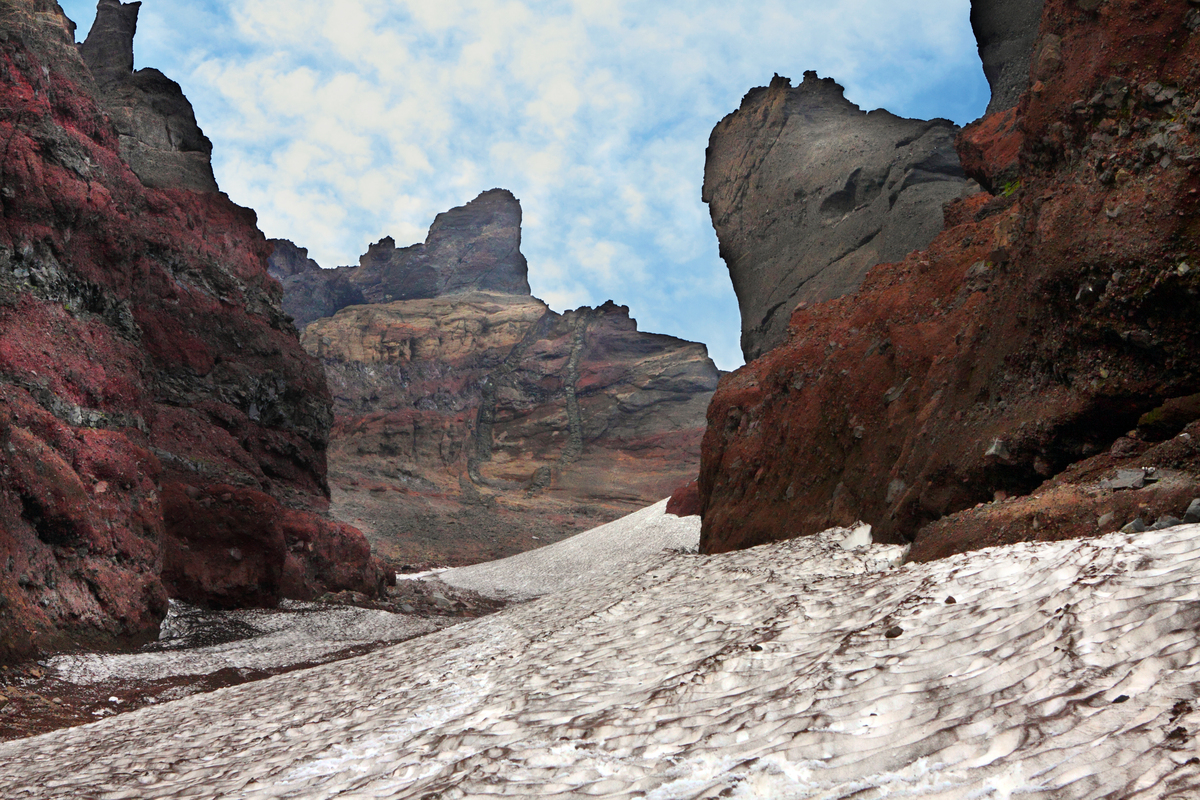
144,364
1030,336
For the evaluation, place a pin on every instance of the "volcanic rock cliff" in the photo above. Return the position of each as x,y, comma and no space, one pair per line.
1033,373
474,422
807,192
161,430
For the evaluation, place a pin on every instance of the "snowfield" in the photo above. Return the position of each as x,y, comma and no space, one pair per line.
793,670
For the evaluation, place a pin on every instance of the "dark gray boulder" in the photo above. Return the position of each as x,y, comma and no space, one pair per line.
1006,31
807,192
159,137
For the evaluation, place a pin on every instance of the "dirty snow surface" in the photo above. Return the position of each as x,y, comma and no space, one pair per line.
799,669
590,557
258,639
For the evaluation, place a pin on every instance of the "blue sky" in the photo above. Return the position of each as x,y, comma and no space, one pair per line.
344,122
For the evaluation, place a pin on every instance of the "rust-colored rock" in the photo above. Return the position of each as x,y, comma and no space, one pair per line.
144,357
474,426
1033,333
685,501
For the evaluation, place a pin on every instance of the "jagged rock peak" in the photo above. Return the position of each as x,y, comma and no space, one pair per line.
804,222
1006,31
288,259
470,248
108,49
160,139
474,247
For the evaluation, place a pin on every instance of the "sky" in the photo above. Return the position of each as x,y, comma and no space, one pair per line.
344,122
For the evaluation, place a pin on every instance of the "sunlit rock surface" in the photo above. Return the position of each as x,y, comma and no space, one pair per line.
797,669
473,421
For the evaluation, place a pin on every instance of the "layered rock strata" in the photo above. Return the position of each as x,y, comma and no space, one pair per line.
161,430
477,423
475,426
1040,344
807,192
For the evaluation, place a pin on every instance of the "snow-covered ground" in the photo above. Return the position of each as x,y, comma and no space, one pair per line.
799,669
296,633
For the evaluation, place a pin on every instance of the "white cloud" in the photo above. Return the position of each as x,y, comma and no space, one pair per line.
343,122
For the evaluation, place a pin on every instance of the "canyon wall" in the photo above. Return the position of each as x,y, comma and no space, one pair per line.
161,430
807,192
1009,381
473,422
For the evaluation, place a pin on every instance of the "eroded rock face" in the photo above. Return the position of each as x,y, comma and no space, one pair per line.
310,292
807,192
472,248
1006,31
474,426
159,137
1023,345
145,366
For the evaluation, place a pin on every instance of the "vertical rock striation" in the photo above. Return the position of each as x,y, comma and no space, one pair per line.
472,421
1039,343
161,430
807,192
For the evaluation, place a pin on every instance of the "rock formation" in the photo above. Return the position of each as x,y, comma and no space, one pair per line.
473,422
1039,348
310,292
1006,31
807,192
161,430
159,137
472,248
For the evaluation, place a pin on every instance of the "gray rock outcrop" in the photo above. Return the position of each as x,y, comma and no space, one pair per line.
310,292
1006,31
160,139
807,192
472,248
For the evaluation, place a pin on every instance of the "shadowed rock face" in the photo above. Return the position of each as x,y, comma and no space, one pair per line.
159,136
807,192
1006,31
984,390
472,248
310,292
472,421
161,430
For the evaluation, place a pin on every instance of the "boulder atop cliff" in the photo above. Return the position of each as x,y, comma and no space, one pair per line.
159,137
807,192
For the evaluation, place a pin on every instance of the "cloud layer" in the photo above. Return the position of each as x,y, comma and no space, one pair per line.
344,122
